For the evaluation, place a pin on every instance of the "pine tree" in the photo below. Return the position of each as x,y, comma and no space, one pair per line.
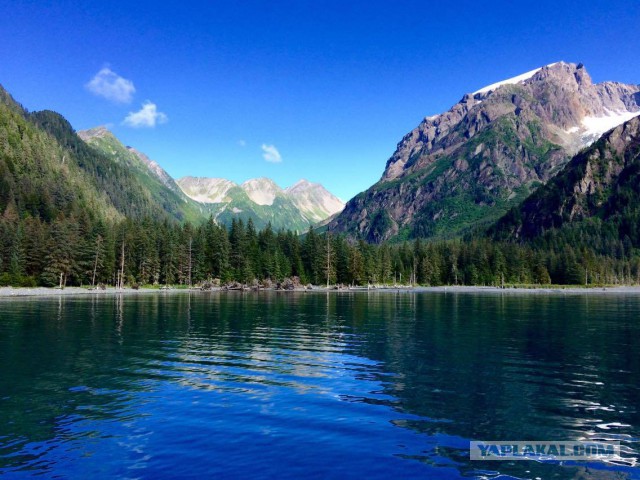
60,261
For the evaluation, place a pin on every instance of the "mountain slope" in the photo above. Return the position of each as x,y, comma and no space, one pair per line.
48,171
468,166
42,178
598,191
262,191
158,184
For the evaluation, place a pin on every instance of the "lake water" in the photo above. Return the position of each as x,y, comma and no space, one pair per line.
292,385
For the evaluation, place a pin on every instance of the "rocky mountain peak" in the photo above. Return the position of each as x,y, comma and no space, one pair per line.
311,200
561,96
581,75
522,78
302,184
315,201
96,132
487,152
262,191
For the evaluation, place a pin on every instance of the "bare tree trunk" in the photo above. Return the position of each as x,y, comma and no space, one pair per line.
190,246
95,264
328,261
413,273
121,282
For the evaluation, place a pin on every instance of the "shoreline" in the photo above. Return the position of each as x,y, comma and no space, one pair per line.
14,292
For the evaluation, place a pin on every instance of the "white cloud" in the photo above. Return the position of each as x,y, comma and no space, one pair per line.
242,143
108,84
271,154
147,116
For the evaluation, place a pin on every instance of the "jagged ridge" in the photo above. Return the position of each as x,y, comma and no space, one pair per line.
312,201
468,166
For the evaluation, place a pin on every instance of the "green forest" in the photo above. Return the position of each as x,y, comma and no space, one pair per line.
75,250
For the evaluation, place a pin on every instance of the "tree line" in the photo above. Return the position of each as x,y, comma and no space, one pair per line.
78,249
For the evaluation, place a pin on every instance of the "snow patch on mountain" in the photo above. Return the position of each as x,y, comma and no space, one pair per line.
511,81
594,127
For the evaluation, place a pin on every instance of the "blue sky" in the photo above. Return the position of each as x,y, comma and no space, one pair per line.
288,89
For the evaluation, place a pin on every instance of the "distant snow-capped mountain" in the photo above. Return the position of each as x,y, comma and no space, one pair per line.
313,202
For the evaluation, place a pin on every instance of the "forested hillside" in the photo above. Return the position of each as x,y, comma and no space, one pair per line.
593,203
158,187
41,178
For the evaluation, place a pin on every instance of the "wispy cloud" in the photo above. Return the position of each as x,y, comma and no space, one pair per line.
108,84
242,143
271,154
148,116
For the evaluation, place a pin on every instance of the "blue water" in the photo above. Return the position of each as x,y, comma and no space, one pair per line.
288,385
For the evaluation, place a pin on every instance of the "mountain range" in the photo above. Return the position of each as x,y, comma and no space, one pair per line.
194,199
302,204
465,168
546,151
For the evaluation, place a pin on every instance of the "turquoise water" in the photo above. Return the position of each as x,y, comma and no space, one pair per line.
288,385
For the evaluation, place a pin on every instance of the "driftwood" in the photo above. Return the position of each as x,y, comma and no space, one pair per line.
233,286
289,284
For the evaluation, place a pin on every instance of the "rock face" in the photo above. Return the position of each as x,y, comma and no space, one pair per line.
469,165
304,203
156,170
262,191
601,182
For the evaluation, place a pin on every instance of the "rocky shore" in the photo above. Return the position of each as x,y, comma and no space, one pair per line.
557,290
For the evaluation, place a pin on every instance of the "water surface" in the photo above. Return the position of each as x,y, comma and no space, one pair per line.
284,385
